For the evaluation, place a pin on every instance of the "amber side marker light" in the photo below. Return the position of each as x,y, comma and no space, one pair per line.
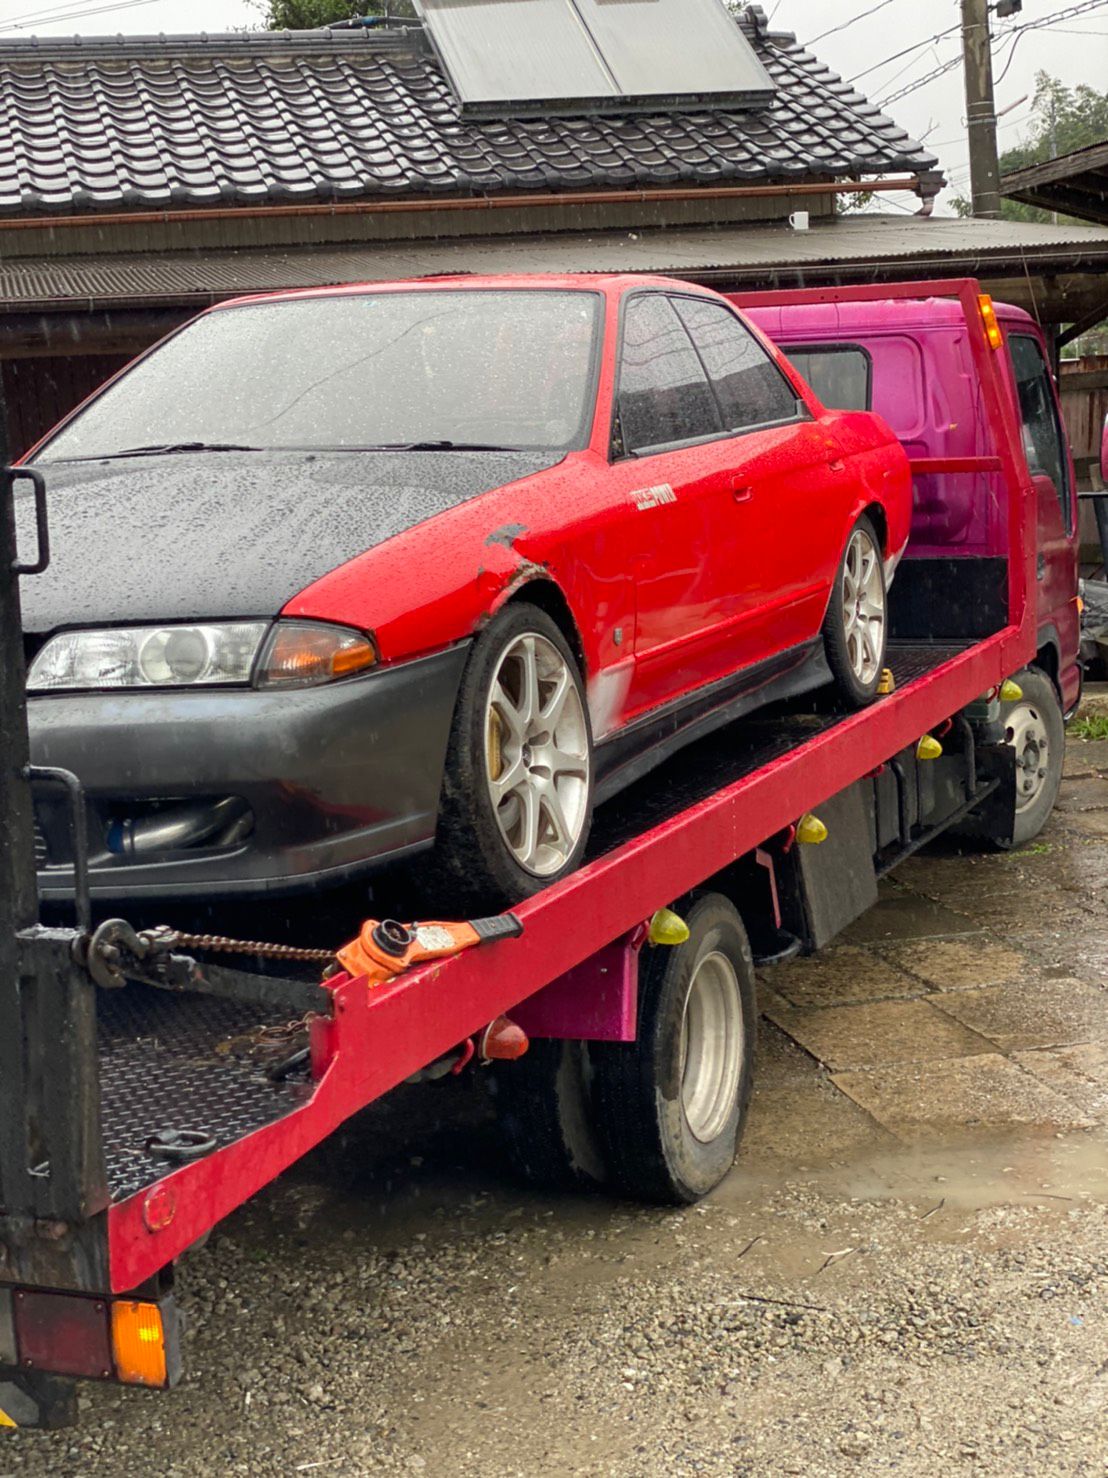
138,1342
989,319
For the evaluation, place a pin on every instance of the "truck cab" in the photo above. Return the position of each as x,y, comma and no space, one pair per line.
910,361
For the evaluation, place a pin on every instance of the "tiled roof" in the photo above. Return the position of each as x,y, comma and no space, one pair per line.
134,123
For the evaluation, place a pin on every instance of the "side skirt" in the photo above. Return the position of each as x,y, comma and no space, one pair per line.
636,750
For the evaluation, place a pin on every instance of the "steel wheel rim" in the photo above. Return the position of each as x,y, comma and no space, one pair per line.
537,759
1026,732
711,1047
863,607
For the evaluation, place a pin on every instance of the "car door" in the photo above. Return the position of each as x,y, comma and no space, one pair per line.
665,467
784,522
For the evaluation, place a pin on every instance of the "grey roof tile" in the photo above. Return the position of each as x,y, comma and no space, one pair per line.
94,124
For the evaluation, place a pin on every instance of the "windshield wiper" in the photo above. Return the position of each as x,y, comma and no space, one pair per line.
438,446
168,448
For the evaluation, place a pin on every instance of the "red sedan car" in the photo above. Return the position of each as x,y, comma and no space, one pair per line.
344,574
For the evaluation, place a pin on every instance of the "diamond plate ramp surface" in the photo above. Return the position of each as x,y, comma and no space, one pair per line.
161,1068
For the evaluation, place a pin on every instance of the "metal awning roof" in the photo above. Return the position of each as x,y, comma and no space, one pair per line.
1058,272
1074,184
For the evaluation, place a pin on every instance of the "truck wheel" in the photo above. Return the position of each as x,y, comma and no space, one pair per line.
543,1104
856,627
670,1107
517,790
1034,727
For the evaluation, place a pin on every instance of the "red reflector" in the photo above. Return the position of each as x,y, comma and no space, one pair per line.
63,1334
159,1208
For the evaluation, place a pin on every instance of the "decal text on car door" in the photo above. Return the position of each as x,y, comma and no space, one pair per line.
647,498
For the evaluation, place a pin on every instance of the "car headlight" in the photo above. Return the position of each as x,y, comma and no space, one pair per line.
285,654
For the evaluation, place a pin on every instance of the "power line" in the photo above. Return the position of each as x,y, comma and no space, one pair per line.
63,13
1019,32
919,45
834,30
923,81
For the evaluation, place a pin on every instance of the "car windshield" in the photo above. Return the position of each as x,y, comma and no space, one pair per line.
438,370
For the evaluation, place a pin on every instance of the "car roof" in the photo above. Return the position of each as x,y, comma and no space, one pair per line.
605,282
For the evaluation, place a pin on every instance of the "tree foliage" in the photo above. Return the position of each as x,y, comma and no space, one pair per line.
309,15
1062,119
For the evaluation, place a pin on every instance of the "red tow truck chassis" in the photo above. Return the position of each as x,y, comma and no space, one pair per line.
129,1127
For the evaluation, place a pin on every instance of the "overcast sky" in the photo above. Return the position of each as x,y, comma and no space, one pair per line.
1076,50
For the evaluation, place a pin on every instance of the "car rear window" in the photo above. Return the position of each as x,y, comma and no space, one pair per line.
505,368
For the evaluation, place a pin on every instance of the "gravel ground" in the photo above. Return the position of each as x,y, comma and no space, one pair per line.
849,1301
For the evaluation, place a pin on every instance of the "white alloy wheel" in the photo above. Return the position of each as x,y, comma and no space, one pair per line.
1026,731
712,1047
537,754
863,606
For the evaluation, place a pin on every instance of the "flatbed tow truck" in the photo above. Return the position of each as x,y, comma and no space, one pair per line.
131,1123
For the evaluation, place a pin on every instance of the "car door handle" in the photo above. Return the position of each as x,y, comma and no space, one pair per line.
741,492
836,465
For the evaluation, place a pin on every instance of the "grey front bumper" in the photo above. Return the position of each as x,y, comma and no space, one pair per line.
336,778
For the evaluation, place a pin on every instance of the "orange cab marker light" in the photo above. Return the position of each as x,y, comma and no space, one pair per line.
989,319
138,1341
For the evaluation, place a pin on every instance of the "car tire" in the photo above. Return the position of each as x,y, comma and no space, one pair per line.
670,1107
544,1110
856,627
521,713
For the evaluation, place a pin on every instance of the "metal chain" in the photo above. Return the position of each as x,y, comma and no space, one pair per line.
221,944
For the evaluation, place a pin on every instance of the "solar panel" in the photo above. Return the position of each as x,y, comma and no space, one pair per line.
587,56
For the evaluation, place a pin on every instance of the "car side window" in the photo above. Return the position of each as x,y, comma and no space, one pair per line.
751,390
1042,430
664,396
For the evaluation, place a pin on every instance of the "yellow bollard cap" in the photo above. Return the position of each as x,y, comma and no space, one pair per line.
886,683
928,748
810,829
1010,691
666,927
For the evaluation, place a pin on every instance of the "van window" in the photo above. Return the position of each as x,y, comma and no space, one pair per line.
1043,439
840,374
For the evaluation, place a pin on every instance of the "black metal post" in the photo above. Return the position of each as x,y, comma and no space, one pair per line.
18,896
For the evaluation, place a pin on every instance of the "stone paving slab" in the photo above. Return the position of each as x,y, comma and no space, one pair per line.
841,975
1048,1013
878,1033
961,964
907,916
1080,1073
964,1097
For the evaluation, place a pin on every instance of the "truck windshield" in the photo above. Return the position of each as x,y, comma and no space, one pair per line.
436,370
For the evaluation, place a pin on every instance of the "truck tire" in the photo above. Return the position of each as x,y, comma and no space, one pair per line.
543,1105
671,1106
856,627
1034,727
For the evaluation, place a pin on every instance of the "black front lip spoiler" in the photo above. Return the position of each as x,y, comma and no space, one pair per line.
340,779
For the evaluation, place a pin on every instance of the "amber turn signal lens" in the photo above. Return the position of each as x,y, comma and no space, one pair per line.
138,1340
989,319
304,654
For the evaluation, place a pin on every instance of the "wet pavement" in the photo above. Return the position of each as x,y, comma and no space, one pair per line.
906,1272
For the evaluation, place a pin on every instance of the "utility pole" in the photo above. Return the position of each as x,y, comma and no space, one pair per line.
980,109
